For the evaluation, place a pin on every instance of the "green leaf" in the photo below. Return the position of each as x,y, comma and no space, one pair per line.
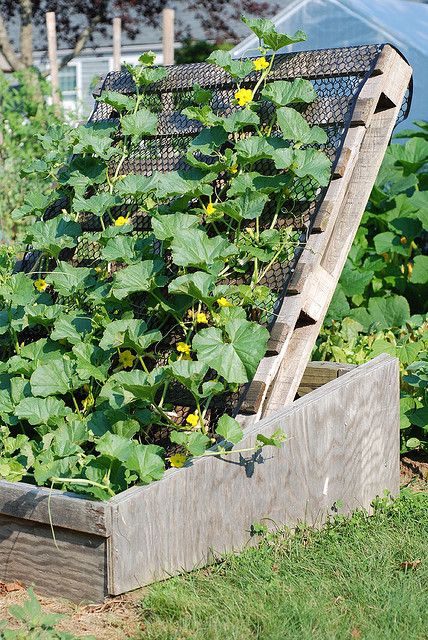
18,290
140,124
144,276
249,150
146,462
266,31
54,378
54,235
313,163
68,280
162,185
195,443
119,101
294,127
129,333
128,249
388,242
236,68
114,446
141,385
167,226
420,270
98,204
189,373
195,248
240,119
277,438
71,328
339,306
383,313
94,138
282,92
248,206
91,362
41,410
229,429
236,355
197,285
354,281
412,155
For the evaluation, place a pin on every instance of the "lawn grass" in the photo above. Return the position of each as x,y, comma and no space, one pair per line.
346,581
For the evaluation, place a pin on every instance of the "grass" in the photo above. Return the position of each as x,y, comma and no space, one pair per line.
349,580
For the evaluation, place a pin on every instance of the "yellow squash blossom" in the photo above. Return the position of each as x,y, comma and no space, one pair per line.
201,318
178,460
120,221
182,347
193,419
260,64
210,209
40,284
224,302
126,359
233,168
243,96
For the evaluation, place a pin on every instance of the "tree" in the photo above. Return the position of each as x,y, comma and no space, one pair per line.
79,20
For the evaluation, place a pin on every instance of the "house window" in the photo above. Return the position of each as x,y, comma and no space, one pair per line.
68,83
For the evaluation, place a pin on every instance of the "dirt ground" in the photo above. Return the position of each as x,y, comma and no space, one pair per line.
119,618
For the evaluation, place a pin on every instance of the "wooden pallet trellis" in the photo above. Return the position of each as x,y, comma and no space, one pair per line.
304,307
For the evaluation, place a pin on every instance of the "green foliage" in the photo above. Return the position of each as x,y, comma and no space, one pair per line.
82,405
25,117
34,624
381,301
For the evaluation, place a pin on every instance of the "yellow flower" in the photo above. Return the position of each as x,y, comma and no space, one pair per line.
243,96
193,419
182,347
120,221
201,318
260,64
224,302
126,359
40,284
210,209
403,240
233,168
409,268
178,460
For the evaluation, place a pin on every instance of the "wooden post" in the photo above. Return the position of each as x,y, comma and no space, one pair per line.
53,59
168,36
117,34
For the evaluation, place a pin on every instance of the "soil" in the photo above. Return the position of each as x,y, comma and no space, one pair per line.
120,618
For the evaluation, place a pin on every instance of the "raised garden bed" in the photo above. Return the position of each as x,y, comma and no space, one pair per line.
342,450
342,446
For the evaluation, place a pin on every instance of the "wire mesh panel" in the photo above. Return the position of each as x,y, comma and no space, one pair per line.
337,76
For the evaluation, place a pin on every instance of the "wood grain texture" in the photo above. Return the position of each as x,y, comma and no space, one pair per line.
343,445
301,343
75,568
319,373
68,511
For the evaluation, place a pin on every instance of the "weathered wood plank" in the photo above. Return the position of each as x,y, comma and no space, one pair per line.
319,373
67,510
74,568
343,445
303,339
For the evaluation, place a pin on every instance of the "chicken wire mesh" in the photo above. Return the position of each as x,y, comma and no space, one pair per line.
337,76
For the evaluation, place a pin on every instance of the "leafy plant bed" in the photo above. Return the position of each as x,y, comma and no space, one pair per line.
342,450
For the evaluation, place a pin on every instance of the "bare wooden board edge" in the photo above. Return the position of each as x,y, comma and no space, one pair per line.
68,511
343,444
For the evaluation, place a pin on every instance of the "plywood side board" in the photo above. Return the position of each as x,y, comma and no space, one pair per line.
343,444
